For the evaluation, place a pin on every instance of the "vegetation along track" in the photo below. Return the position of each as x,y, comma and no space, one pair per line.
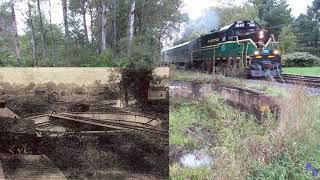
311,81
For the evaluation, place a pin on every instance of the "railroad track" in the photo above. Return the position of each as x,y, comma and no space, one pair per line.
310,81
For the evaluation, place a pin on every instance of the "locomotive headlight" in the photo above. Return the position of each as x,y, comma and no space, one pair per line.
261,34
276,52
256,53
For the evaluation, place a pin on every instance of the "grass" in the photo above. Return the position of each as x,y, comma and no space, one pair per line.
197,77
243,149
178,75
311,71
180,173
271,90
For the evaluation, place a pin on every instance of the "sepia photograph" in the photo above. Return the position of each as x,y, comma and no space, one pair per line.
84,123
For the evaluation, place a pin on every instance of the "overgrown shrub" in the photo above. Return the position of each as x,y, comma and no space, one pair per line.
136,82
106,60
7,57
311,50
275,149
28,106
301,59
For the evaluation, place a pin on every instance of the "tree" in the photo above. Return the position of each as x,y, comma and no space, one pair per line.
43,43
112,25
8,55
131,26
314,10
15,31
52,42
274,14
114,36
154,22
84,12
307,27
52,33
306,31
103,17
287,39
65,20
33,41
314,13
230,14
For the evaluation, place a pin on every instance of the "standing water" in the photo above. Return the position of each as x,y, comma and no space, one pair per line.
196,159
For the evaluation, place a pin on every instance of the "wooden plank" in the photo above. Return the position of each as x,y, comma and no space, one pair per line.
5,112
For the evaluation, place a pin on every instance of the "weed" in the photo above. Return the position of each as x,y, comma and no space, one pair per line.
179,75
277,148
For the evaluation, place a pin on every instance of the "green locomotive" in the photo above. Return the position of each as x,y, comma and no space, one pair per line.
243,47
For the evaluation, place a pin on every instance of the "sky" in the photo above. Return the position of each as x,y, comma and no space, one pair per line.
193,8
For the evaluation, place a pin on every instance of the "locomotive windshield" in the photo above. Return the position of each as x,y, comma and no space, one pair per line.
245,24
242,32
243,28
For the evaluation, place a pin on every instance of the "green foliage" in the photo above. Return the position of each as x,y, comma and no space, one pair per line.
7,57
203,78
307,27
5,14
230,14
274,14
212,121
311,50
106,60
273,149
307,31
154,21
287,39
180,173
301,59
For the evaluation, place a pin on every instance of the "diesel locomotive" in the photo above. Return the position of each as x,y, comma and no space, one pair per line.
243,47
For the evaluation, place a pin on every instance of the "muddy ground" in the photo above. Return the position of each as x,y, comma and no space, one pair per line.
116,155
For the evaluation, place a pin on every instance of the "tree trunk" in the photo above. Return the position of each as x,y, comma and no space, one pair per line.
114,28
83,9
52,41
43,43
98,19
33,41
15,32
65,20
103,26
91,24
131,26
